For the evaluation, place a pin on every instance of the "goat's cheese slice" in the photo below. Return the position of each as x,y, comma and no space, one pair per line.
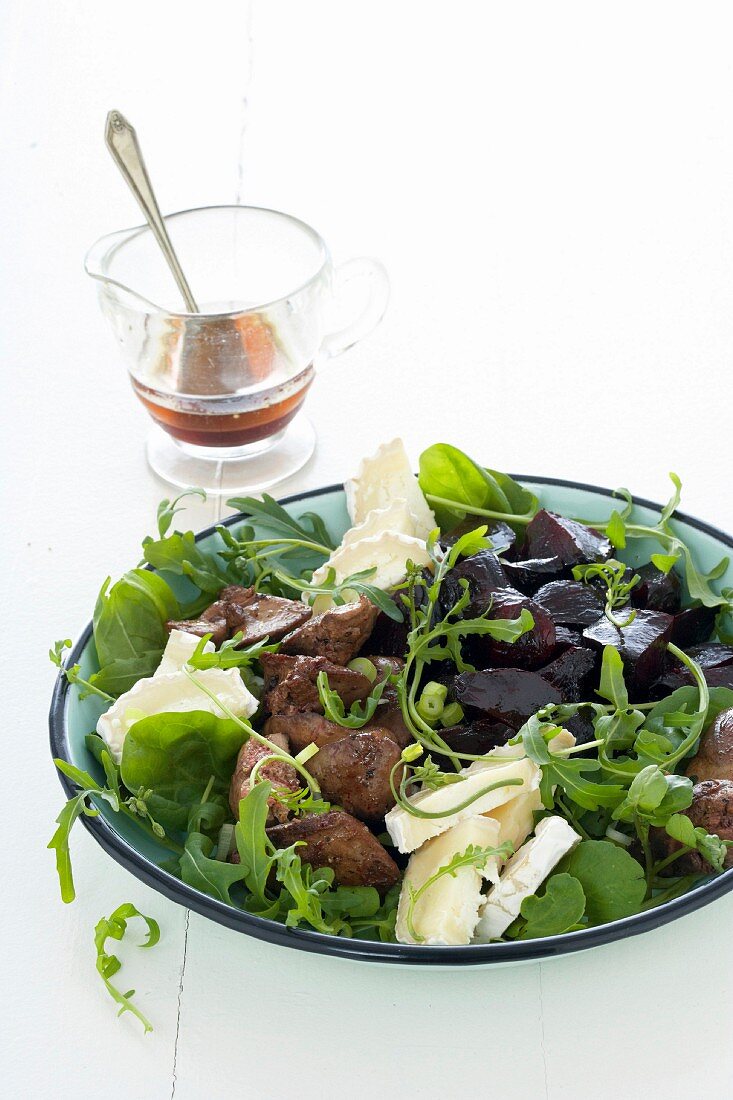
173,692
447,913
408,832
523,875
396,517
179,649
384,477
387,553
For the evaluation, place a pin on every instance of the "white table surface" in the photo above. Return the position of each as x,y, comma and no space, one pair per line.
551,188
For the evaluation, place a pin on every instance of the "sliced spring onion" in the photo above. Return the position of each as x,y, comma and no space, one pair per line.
429,707
452,714
305,754
434,690
365,667
224,843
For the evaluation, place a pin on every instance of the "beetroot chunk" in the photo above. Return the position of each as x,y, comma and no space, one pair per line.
507,695
532,649
656,591
715,660
573,673
552,536
693,625
642,644
570,602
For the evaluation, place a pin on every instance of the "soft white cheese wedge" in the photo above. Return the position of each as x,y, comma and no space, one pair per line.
173,691
387,553
447,913
179,649
396,517
523,875
516,818
409,832
384,477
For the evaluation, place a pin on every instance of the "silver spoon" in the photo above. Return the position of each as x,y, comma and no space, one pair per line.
122,143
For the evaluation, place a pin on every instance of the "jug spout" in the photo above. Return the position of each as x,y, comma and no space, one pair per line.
98,264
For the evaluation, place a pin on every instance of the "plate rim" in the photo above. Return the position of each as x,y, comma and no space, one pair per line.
304,939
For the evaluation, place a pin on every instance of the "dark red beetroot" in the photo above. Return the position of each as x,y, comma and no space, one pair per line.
715,659
693,625
531,650
574,673
530,575
500,534
656,591
507,695
642,644
483,573
565,636
570,602
478,738
551,536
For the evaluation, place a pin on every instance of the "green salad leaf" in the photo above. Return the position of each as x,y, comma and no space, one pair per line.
271,516
612,880
176,755
181,555
114,927
456,486
129,629
559,909
211,876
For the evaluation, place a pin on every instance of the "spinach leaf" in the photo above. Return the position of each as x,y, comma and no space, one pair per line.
455,486
612,880
129,629
558,910
176,755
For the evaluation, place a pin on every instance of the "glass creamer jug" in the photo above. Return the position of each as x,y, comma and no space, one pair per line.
225,386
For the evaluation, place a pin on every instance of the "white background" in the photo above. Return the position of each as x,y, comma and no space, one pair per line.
551,188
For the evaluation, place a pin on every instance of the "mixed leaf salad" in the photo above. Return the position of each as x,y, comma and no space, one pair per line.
466,720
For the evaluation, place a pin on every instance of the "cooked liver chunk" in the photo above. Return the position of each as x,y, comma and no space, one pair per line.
217,628
337,634
303,729
714,759
278,773
257,616
712,808
354,772
339,841
290,683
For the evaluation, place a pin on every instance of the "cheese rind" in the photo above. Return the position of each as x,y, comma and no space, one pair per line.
396,517
523,875
384,477
408,832
173,692
447,913
179,649
386,553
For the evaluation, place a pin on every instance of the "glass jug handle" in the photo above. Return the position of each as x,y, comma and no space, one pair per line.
374,276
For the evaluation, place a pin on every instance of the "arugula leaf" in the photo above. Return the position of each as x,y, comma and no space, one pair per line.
306,888
359,713
129,629
73,672
256,853
559,909
211,876
175,755
686,699
167,509
114,927
181,555
612,880
613,685
267,513
455,486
